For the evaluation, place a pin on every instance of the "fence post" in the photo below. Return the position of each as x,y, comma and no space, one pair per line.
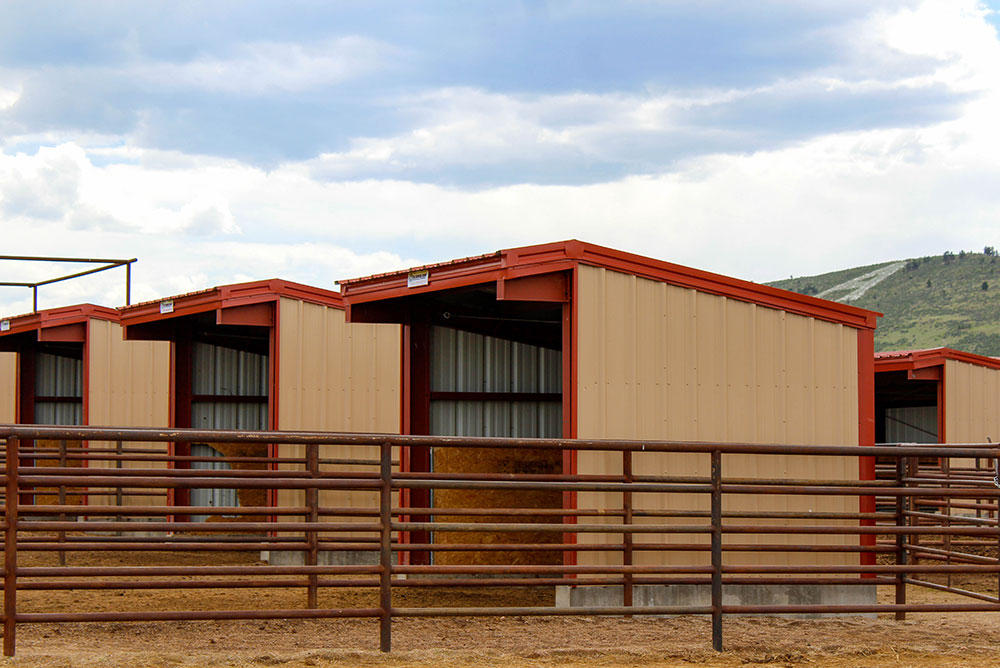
385,551
62,500
717,550
627,537
119,495
312,540
900,537
10,549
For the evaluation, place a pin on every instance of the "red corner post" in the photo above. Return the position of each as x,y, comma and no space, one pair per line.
866,433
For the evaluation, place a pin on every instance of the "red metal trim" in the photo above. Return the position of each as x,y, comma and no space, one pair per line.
550,287
59,317
254,315
917,359
866,432
76,332
274,340
85,418
941,413
229,296
561,255
416,394
570,396
172,418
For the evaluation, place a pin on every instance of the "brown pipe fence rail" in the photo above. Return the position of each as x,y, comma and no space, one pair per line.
931,513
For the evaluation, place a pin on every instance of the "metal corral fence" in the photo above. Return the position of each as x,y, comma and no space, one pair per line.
76,490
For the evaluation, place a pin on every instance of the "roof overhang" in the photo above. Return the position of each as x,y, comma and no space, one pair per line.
928,364
250,303
508,266
67,324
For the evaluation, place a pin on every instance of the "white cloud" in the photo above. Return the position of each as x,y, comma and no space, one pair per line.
269,67
825,203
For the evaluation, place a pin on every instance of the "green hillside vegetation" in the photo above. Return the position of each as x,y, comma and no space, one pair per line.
948,300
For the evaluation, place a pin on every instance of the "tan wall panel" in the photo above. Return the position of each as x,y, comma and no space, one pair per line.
128,386
8,387
972,403
662,362
336,376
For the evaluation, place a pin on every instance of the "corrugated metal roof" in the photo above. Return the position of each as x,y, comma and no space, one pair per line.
423,267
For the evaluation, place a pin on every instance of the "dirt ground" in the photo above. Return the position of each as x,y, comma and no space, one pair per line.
925,640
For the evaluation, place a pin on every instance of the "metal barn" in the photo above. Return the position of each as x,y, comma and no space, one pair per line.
939,395
575,340
271,355
71,366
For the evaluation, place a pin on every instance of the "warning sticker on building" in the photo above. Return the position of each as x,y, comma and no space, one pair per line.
167,306
4,325
417,278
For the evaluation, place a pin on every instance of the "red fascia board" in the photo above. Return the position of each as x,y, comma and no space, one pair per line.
566,254
229,296
919,359
59,317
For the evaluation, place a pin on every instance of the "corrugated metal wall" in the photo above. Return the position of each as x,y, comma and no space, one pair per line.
129,386
336,376
221,371
972,403
912,424
59,377
468,362
8,387
662,362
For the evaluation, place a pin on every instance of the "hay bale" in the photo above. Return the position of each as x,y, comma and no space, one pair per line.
505,461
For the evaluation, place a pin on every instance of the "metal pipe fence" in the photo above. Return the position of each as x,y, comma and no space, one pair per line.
341,521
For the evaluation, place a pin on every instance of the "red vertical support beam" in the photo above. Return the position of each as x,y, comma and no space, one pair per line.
569,407
385,548
10,550
25,413
866,433
418,389
183,387
717,550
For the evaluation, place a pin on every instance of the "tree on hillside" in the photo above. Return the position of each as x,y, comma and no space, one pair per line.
948,257
985,286
990,251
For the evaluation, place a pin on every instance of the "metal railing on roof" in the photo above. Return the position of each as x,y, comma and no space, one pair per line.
106,265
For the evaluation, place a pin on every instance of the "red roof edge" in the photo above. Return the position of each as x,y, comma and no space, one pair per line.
918,359
225,296
56,317
560,255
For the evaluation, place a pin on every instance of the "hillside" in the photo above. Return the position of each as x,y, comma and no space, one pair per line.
943,300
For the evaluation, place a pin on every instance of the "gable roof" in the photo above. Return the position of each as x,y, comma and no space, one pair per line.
562,255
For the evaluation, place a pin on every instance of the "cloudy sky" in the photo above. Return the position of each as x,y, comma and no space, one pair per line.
240,139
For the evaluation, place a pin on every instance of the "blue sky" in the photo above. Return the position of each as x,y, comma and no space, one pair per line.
230,141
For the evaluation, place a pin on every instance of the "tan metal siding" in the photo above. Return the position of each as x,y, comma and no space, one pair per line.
8,387
972,403
658,361
128,386
336,376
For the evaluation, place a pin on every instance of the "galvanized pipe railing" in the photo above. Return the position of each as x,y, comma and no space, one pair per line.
647,540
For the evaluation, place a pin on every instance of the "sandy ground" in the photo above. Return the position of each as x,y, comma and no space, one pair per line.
950,639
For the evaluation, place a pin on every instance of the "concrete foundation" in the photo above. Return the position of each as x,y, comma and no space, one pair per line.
701,595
